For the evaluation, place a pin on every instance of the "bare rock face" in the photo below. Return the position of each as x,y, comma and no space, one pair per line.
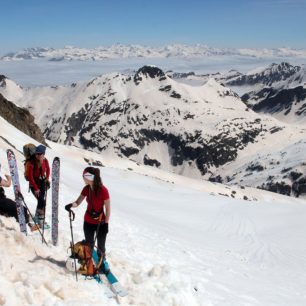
21,119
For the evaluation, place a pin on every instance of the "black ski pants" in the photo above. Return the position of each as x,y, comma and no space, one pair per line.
90,230
8,208
41,199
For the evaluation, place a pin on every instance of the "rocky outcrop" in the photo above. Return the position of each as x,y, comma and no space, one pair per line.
269,76
21,119
149,72
276,101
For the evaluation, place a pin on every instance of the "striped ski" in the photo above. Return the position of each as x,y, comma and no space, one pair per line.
16,185
55,190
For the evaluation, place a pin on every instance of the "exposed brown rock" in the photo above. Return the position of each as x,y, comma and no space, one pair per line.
21,119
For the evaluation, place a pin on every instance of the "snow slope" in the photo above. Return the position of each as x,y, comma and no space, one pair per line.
172,241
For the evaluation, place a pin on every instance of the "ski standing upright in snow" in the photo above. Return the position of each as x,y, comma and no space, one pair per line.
55,190
16,185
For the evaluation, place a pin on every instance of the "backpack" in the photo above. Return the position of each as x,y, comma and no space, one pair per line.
82,252
28,152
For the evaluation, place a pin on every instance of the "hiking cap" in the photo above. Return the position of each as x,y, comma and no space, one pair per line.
40,149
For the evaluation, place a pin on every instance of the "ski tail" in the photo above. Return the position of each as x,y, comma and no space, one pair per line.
16,185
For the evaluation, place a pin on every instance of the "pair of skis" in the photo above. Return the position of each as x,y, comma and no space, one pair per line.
19,198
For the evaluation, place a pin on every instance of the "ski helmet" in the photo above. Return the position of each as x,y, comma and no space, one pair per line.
72,264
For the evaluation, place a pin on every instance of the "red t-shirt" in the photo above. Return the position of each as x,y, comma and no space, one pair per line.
97,202
35,173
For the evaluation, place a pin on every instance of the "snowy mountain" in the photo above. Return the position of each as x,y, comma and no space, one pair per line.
196,131
278,90
134,51
275,73
173,241
149,118
282,75
288,105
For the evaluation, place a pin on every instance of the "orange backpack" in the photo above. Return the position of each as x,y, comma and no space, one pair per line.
82,252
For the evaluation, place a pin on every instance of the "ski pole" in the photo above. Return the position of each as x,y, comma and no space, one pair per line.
94,245
97,232
37,226
45,200
71,218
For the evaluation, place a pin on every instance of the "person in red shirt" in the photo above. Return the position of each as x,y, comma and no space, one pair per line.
97,215
39,180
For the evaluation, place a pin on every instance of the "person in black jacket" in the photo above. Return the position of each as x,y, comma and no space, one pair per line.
8,206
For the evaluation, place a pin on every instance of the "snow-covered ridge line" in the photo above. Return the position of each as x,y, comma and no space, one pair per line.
154,120
133,51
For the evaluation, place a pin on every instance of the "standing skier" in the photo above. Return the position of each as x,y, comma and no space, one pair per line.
39,174
97,215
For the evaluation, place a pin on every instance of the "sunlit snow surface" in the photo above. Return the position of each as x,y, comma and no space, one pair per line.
172,241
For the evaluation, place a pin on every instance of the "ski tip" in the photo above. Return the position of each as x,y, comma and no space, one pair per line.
119,289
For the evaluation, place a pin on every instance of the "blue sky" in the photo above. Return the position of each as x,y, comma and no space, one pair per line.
92,23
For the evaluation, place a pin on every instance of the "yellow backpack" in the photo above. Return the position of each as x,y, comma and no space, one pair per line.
82,252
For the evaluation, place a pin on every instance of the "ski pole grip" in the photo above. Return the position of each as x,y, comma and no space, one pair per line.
71,215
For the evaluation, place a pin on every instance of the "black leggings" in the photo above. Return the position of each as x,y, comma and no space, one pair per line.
8,208
41,200
89,232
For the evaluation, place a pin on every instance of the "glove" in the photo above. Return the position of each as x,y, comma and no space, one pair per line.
104,228
68,207
47,185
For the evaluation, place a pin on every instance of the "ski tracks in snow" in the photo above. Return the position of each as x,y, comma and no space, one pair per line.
256,255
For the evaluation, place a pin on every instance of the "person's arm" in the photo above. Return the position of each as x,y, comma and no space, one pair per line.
6,182
47,170
78,201
107,210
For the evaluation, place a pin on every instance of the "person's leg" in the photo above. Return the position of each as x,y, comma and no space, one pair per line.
36,216
101,237
89,233
41,203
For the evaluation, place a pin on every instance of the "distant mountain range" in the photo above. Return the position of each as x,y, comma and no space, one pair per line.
279,89
134,51
205,131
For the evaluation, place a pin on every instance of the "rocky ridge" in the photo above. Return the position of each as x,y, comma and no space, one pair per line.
21,119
